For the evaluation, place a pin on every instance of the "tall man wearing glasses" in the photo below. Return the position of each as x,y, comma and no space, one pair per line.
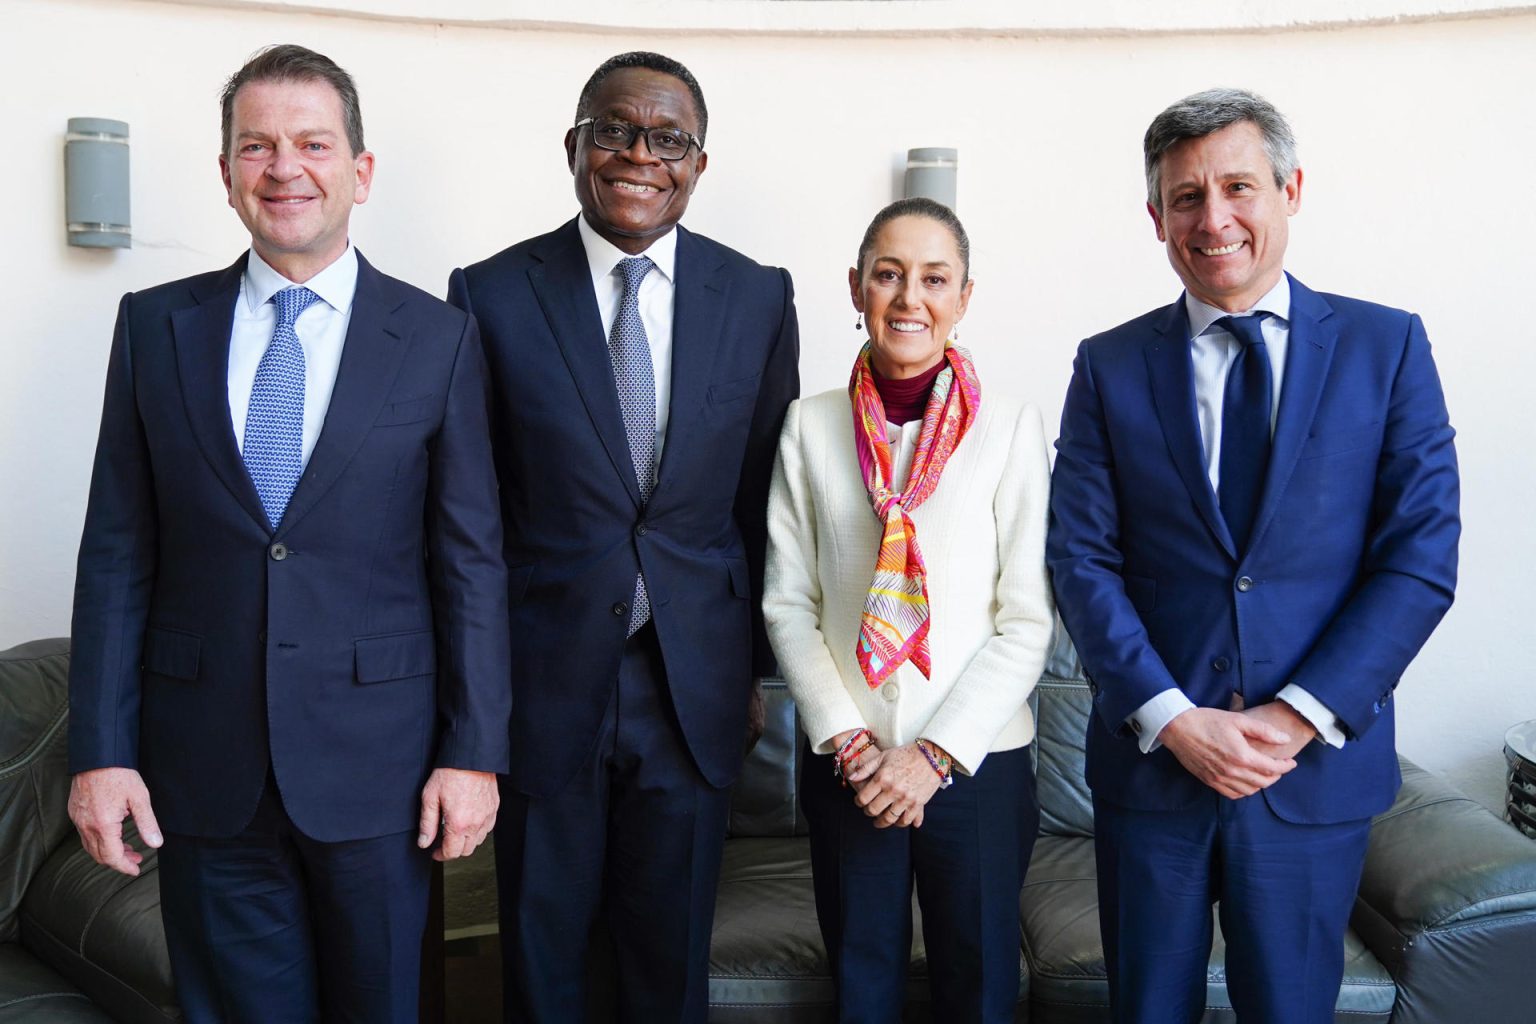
1254,528
640,374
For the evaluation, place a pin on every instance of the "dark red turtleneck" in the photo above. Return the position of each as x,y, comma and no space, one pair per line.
907,400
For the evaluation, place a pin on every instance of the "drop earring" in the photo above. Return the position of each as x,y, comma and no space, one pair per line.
858,324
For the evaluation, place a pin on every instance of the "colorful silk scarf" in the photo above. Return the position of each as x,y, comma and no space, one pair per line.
894,627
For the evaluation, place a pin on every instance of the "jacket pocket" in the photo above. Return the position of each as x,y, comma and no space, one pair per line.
741,581
168,652
410,411
1336,442
731,390
397,656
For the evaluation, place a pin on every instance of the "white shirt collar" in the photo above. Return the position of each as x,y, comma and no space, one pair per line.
603,256
1276,301
336,284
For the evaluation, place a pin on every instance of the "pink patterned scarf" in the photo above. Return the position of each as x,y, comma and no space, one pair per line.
894,627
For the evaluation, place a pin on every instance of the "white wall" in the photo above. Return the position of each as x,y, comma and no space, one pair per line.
1418,142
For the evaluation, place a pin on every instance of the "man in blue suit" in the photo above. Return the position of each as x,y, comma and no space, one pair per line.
1254,529
639,375
290,632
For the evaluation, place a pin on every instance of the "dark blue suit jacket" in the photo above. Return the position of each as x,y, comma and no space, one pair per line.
1351,563
576,533
356,647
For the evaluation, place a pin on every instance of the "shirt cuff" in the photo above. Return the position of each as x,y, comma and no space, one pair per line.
1148,720
1315,711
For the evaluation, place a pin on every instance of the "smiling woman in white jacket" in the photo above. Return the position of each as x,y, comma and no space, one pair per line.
974,609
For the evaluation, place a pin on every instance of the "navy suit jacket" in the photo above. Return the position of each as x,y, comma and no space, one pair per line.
1351,563
576,531
353,649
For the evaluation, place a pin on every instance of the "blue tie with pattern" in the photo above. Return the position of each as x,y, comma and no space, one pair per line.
274,423
635,378
1244,427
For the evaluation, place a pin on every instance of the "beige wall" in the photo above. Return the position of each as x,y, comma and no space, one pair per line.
1417,139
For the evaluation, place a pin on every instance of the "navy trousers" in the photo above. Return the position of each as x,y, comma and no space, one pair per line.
270,925
633,842
1284,894
968,861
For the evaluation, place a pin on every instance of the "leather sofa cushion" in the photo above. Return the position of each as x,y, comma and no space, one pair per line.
103,930
764,800
32,993
1062,707
1059,911
34,776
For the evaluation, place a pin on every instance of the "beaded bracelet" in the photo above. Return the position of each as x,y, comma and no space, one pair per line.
942,766
842,767
845,758
853,738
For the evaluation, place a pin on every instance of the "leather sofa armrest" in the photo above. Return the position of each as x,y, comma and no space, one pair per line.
102,931
1448,903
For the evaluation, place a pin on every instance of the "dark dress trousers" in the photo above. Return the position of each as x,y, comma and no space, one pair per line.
295,685
622,749
1350,564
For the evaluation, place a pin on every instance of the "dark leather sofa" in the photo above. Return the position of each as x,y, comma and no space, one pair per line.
1444,927
79,944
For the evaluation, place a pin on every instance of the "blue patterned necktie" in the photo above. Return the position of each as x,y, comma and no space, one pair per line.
635,379
1244,427
274,423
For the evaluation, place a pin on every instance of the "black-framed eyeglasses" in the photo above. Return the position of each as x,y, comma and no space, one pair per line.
615,135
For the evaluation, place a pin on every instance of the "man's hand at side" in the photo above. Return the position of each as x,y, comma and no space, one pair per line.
99,801
464,803
1227,750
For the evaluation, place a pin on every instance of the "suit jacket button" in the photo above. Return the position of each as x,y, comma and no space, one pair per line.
1244,584
642,530
620,608
1221,664
278,552
890,691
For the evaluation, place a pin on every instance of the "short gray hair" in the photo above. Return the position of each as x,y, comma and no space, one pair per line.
1205,113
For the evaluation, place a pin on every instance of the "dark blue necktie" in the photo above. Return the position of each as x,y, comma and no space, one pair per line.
273,448
1244,427
635,379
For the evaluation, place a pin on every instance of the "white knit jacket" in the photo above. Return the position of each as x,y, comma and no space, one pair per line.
982,535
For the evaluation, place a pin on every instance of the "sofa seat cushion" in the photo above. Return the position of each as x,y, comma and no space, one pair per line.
33,993
1059,911
103,929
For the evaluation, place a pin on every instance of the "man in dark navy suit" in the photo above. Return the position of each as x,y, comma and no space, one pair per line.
639,374
290,631
1254,530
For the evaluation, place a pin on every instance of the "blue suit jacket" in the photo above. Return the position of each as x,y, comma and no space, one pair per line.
576,532
356,647
1351,563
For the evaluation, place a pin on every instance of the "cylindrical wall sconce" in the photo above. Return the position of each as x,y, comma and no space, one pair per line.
96,183
931,173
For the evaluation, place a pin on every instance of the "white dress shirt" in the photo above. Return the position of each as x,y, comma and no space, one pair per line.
322,331
657,296
1212,350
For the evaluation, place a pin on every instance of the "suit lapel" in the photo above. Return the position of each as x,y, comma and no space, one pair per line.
698,317
563,284
1308,355
1173,392
201,336
370,362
